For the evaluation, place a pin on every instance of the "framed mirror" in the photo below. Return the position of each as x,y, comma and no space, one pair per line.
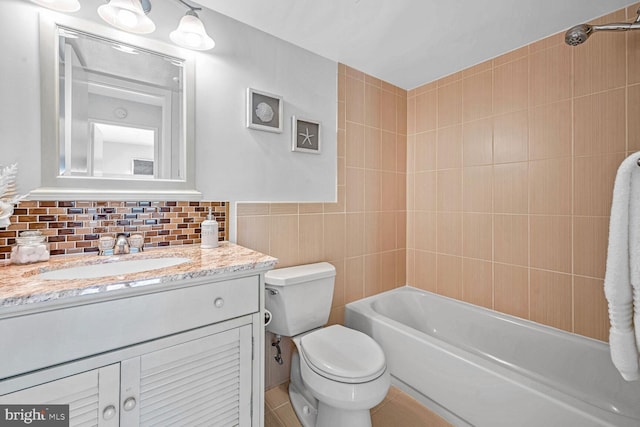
117,115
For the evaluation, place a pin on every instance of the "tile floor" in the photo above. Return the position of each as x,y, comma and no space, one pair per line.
398,409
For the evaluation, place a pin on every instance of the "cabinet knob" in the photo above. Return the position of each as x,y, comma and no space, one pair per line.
109,412
129,404
218,302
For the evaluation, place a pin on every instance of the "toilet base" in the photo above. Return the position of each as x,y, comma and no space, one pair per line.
332,417
305,411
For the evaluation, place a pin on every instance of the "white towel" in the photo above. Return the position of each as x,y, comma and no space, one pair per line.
622,277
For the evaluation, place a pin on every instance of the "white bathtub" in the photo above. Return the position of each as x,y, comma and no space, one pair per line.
479,367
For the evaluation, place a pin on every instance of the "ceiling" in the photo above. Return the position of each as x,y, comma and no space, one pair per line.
411,42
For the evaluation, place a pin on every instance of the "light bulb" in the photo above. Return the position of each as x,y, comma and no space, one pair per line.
127,18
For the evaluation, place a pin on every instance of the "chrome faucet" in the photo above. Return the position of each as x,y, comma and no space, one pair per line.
122,246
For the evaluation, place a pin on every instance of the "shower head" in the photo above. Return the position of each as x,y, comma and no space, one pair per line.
578,34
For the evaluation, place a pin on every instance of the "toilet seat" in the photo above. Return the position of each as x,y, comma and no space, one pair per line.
342,354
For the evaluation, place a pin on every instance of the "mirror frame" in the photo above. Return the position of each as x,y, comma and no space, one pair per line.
56,187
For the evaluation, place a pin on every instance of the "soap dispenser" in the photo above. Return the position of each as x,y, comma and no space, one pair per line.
209,232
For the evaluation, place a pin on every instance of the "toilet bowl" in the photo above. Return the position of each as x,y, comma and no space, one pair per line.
345,371
337,374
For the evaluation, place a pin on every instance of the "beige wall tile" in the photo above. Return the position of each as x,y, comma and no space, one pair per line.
590,238
599,123
450,104
550,242
339,284
387,231
510,186
253,232
449,147
477,96
388,110
426,270
511,86
392,191
411,116
334,236
244,209
510,137
425,151
371,232
426,186
449,233
550,186
354,104
600,64
283,209
450,190
426,108
355,234
425,231
354,283
372,187
477,192
477,231
354,146
511,56
477,282
284,239
389,151
511,239
372,283
449,275
593,183
387,270
550,131
551,299
633,56
355,190
633,112
590,308
477,143
311,238
511,290
550,75
372,148
372,105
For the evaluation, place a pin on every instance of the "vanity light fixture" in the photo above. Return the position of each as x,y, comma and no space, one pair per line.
131,16
128,15
191,32
60,5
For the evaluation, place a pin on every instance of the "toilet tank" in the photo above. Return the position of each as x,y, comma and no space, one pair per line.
299,298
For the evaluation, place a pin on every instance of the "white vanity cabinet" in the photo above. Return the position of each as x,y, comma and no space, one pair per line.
185,354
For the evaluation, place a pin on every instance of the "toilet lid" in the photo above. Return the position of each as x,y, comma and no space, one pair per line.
343,354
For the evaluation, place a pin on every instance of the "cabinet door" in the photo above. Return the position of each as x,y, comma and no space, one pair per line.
206,382
92,396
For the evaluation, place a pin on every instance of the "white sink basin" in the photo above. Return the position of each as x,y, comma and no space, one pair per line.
116,268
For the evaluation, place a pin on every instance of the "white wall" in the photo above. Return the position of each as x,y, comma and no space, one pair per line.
232,162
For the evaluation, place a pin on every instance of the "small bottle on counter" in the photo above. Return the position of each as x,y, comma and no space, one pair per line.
30,247
209,232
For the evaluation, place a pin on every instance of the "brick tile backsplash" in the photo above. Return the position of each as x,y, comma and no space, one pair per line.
74,227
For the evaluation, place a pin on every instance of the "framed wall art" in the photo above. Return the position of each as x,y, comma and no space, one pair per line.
264,111
306,135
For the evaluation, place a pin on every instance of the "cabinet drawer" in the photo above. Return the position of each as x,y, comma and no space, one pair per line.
43,339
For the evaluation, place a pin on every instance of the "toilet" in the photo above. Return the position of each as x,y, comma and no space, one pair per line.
338,374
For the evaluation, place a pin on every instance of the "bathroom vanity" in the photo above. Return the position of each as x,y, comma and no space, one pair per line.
181,345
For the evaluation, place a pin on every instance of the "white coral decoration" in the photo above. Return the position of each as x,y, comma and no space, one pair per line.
264,112
8,193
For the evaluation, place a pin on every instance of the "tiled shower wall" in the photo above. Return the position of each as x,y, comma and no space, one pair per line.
510,176
74,227
363,234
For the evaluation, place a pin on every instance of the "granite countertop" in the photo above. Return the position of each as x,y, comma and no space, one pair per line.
20,285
